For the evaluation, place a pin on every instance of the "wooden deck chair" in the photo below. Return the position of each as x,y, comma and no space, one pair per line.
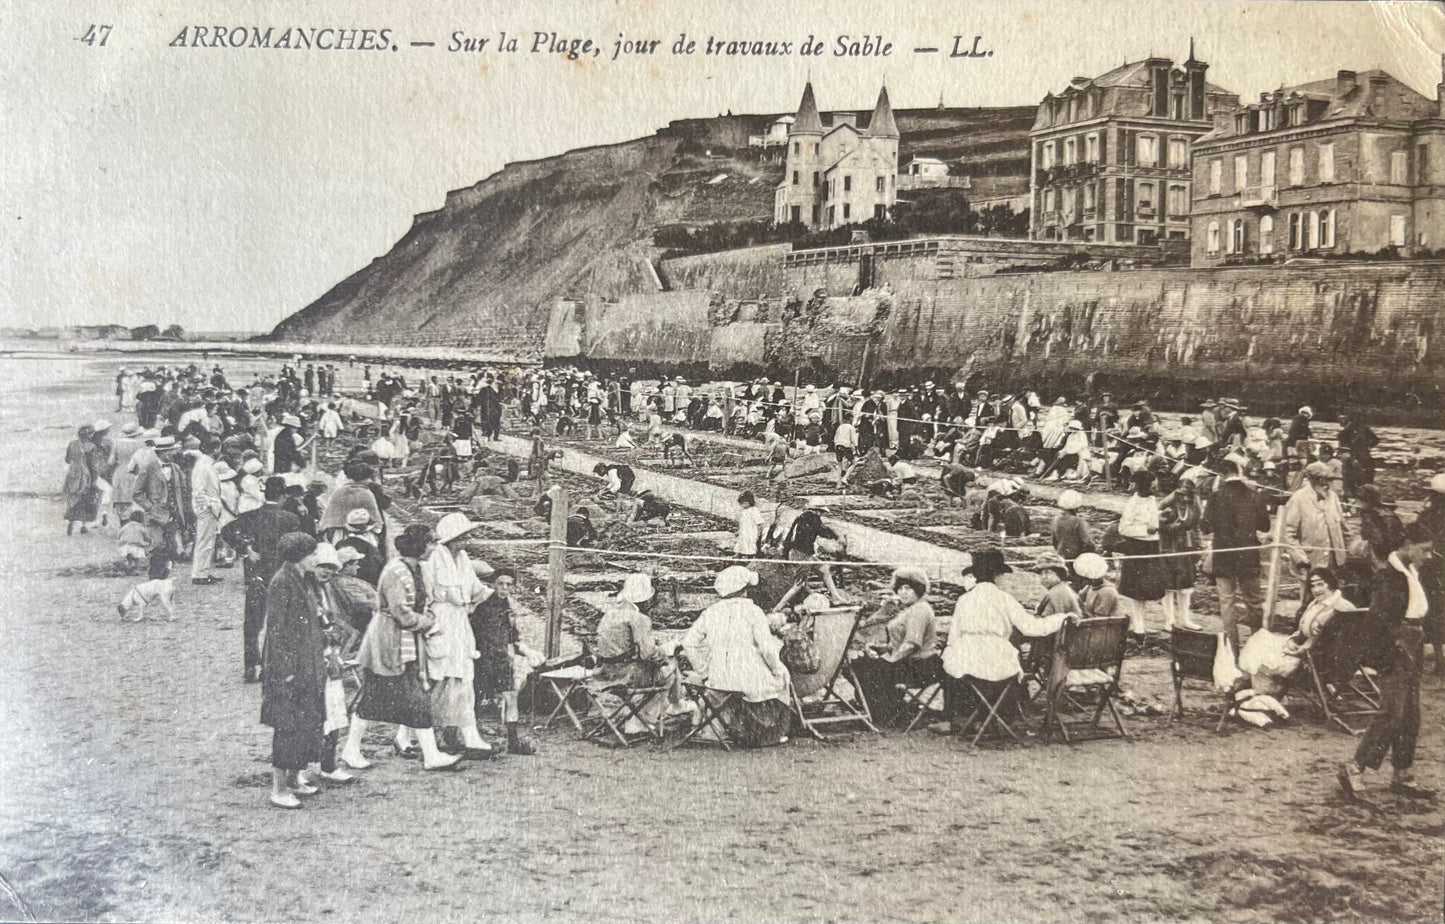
613,724
1191,657
816,697
989,713
1333,675
1088,661
566,683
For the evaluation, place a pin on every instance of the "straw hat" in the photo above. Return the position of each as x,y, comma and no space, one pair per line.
252,466
1306,411
1051,561
1202,442
912,575
733,579
290,420
1437,483
453,526
131,429
224,472
326,555
636,588
358,516
1091,566
1317,470
100,426
1071,500
165,443
348,554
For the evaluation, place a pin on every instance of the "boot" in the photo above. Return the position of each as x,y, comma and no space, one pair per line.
516,744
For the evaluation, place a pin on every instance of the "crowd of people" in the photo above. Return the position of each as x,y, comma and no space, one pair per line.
334,596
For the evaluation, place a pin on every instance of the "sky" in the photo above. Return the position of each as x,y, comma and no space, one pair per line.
224,189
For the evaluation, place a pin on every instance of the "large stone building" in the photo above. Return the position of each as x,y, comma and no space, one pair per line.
1110,154
841,173
1353,164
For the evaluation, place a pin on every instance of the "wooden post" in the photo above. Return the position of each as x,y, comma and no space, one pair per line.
863,366
557,569
1272,590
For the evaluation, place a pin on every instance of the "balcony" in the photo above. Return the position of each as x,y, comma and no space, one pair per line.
1064,172
1259,197
1146,213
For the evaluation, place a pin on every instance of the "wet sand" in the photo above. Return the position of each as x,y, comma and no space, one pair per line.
135,778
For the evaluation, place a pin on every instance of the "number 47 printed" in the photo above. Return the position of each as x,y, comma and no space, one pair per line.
95,35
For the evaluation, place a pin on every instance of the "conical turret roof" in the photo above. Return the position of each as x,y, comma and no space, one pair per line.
808,119
882,124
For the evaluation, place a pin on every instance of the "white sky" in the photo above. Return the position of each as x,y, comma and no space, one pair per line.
226,189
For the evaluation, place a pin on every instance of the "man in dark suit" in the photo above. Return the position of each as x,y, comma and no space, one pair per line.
254,535
1398,606
1236,516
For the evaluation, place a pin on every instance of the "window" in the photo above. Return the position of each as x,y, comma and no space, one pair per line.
1327,163
1146,197
1089,197
1422,173
795,178
1178,109
1296,113
832,216
1178,152
797,148
1312,239
797,213
1296,231
1071,151
1091,149
1241,123
816,210
1048,200
1266,232
815,148
878,212
1213,239
847,185
1296,166
1241,171
1148,151
1069,197
1048,156
1178,199
1397,168
1236,236
1397,230
1216,176
1326,236
879,186
846,211
1266,168
817,179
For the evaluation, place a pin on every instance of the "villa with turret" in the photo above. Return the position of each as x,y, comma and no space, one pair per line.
838,173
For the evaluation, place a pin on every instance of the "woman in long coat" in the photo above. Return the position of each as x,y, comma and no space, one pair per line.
452,586
293,672
1179,517
79,487
391,658
732,646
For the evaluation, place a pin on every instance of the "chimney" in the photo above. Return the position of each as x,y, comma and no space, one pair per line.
1344,82
1440,90
1159,85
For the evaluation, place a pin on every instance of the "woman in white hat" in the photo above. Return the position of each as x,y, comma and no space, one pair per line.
1099,598
452,586
733,648
627,653
288,445
1071,535
252,490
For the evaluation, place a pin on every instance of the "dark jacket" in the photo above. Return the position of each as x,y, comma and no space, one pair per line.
1389,595
1235,515
257,530
293,669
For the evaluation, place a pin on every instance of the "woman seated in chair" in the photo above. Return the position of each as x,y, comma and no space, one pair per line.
979,654
1271,658
628,655
910,658
732,648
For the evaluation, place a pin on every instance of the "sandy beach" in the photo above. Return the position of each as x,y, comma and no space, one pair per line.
134,777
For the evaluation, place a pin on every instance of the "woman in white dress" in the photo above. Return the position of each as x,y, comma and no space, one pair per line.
733,648
453,589
1271,658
